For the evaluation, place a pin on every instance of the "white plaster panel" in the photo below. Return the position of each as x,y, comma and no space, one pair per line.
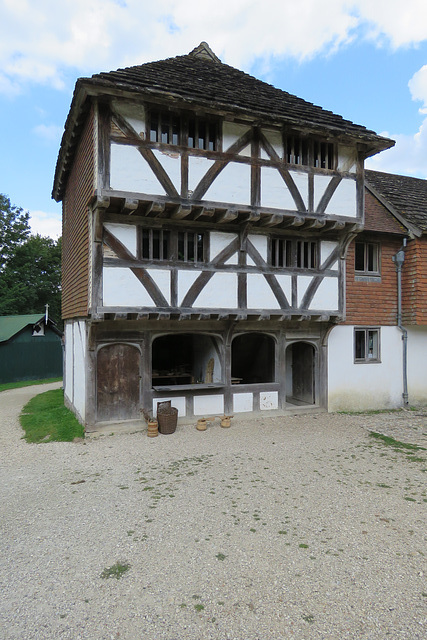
343,202
347,159
208,406
130,172
359,387
171,163
134,114
242,402
417,370
231,132
219,241
326,248
69,361
185,279
260,295
126,233
285,282
326,296
162,278
220,292
79,359
121,288
178,403
197,168
261,244
302,284
274,192
232,185
275,139
268,400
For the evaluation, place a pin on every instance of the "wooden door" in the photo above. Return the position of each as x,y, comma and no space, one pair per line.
303,372
118,378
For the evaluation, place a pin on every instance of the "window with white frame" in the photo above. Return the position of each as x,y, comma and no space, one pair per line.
366,345
367,258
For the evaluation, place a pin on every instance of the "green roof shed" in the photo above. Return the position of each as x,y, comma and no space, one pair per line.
30,348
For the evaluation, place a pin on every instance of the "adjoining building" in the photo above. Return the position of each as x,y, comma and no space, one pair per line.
30,348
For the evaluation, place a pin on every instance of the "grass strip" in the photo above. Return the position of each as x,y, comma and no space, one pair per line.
26,383
396,444
45,418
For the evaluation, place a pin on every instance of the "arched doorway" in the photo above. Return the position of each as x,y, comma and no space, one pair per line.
117,382
300,373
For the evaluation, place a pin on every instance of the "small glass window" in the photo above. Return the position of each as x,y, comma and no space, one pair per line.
366,257
366,345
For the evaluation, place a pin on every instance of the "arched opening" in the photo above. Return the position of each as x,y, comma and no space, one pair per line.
253,358
300,378
185,358
117,382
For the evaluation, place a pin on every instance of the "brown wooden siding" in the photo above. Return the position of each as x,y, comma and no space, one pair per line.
75,238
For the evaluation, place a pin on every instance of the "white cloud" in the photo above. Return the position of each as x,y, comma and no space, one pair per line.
41,40
408,157
418,87
46,224
49,132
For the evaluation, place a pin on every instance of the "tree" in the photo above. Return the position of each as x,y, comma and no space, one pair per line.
14,229
30,266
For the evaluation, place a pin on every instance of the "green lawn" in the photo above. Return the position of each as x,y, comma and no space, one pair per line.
46,419
26,383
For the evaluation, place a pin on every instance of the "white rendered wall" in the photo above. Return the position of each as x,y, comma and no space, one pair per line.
75,366
69,362
130,172
126,233
121,287
359,387
79,359
209,405
417,365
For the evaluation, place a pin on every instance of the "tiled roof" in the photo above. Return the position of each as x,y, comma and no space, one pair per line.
11,325
408,196
200,78
196,78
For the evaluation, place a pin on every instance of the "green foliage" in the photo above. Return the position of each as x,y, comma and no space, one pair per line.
30,266
116,571
396,444
46,419
14,229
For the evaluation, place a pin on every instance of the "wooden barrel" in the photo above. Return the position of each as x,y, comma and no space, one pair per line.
225,421
153,429
201,424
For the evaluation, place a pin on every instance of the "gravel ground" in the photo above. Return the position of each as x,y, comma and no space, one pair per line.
300,527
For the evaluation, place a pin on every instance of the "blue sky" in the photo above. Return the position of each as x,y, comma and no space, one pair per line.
365,60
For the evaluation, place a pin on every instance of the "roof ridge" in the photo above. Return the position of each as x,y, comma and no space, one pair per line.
204,52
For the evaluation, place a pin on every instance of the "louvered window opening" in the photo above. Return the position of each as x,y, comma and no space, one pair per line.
312,153
155,244
190,246
303,254
193,132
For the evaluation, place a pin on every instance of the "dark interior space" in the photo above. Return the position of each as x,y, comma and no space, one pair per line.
252,358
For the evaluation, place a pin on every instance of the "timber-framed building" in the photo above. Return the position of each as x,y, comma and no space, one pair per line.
206,218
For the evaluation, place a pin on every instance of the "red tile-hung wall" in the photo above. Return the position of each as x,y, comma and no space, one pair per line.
373,301
75,226
414,283
370,302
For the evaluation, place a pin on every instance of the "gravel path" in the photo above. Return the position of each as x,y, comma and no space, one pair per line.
301,527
